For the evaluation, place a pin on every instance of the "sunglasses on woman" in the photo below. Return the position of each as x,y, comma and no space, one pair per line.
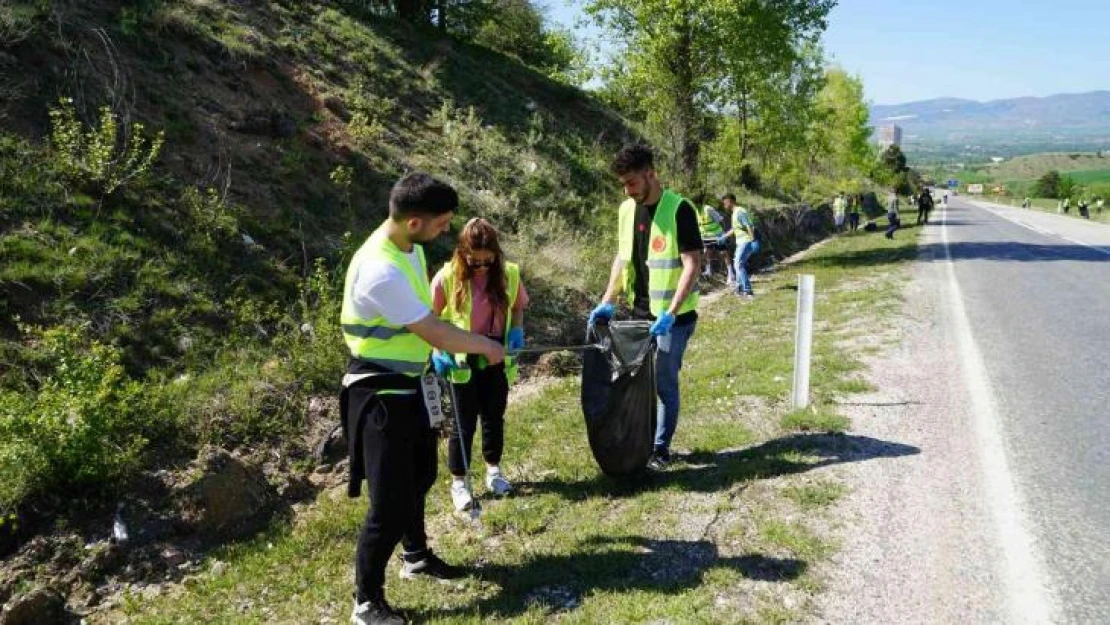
476,264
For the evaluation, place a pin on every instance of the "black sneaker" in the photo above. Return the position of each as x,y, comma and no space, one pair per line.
376,612
430,566
659,460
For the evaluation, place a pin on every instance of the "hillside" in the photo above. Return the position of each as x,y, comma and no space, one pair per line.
1009,126
195,301
1036,165
1090,173
298,117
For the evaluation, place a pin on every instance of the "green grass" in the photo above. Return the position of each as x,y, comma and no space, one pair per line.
1087,177
810,420
698,543
817,494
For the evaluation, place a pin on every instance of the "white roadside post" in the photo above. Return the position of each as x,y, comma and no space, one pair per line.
803,341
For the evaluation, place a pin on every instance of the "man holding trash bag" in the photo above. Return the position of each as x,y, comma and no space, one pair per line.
656,267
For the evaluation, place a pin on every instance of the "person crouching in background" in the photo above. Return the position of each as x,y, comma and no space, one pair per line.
479,291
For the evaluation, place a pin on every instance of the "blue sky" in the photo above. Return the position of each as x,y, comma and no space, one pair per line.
977,49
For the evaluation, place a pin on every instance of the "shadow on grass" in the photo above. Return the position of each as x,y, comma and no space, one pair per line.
704,471
559,582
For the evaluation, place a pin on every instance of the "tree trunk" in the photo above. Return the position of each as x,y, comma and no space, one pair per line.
686,113
441,15
407,10
742,112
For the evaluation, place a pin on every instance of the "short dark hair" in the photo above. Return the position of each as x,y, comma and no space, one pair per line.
418,194
633,157
729,196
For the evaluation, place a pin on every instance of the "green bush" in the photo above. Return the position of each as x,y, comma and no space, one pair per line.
210,213
1048,185
86,425
314,346
101,158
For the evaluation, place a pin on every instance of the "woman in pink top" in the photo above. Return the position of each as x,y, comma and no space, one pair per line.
479,291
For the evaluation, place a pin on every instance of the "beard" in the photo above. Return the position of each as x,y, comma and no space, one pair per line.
424,236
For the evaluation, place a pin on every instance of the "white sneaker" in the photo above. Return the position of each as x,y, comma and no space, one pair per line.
460,497
497,484
376,612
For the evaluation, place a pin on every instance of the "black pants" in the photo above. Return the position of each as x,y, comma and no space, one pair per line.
399,458
922,215
486,395
853,221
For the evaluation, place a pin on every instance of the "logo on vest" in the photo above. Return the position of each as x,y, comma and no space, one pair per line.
658,244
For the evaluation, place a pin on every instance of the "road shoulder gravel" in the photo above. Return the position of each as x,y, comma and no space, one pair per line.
918,544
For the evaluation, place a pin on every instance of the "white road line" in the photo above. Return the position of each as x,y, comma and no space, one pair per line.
1099,249
1028,598
1029,225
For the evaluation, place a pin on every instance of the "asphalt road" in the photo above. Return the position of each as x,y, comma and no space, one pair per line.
1036,290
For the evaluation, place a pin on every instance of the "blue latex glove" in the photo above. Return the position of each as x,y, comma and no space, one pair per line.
662,325
516,339
443,363
603,311
723,239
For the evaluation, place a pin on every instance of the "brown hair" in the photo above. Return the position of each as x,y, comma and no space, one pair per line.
479,234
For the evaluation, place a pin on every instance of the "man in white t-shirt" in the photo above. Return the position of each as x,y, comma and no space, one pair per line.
390,330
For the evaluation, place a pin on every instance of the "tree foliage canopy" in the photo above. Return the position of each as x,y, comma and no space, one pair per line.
728,87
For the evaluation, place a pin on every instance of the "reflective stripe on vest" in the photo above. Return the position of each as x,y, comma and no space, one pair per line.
664,261
460,317
375,340
710,229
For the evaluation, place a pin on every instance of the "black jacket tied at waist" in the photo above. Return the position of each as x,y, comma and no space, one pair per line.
358,392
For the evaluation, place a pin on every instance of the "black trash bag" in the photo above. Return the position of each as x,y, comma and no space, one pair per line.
618,396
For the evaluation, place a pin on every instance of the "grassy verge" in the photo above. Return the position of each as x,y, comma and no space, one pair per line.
734,532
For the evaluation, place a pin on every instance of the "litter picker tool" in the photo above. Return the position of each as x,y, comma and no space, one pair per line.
432,386
475,505
547,349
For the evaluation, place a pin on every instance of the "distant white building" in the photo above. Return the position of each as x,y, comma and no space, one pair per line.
890,134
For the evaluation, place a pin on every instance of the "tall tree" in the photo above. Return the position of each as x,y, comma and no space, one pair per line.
760,45
894,160
1048,185
668,61
842,131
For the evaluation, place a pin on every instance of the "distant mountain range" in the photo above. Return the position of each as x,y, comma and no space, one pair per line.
1066,121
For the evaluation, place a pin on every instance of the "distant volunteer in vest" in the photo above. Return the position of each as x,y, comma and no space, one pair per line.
479,291
712,225
390,329
743,230
656,268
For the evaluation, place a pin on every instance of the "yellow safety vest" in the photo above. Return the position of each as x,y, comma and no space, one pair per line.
664,261
375,340
738,229
710,229
460,317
